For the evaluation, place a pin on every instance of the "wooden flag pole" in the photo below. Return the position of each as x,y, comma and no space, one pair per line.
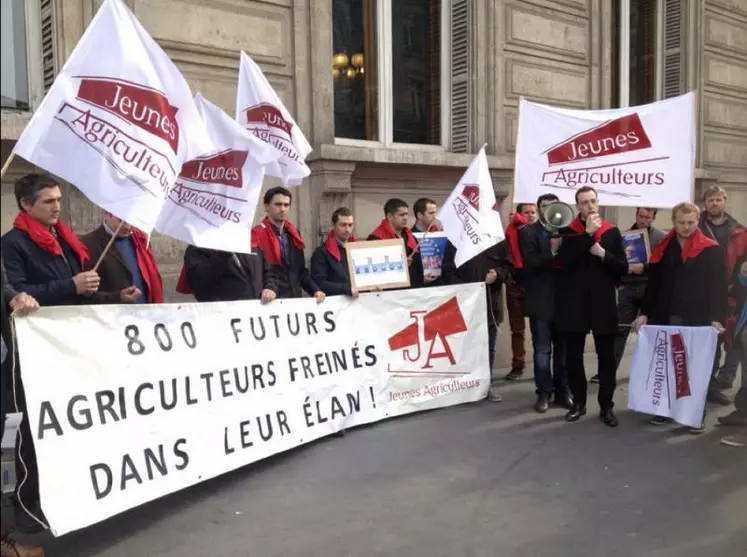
7,164
109,245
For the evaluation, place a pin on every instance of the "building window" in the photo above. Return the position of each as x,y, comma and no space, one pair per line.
650,62
388,70
14,82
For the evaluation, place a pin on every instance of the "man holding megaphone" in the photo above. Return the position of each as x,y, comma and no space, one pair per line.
589,261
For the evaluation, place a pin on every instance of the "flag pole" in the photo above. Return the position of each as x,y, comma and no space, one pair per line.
108,246
7,164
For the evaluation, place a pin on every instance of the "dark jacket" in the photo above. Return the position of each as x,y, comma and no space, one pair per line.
537,276
475,270
221,276
654,237
720,234
586,294
702,285
416,267
332,276
113,272
417,270
294,276
46,277
8,293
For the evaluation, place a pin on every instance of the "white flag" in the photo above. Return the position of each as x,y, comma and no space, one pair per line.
470,216
671,371
213,202
260,110
119,120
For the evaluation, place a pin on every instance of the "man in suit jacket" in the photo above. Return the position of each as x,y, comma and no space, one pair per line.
128,272
329,262
590,261
538,279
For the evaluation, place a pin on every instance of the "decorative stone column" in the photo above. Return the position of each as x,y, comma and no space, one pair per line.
330,183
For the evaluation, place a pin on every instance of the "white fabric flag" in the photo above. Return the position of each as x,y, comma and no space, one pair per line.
470,216
119,120
213,202
642,156
671,371
260,110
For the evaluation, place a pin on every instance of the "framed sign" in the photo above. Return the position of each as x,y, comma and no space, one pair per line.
378,264
637,247
432,248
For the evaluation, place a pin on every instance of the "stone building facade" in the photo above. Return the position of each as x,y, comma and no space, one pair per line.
396,95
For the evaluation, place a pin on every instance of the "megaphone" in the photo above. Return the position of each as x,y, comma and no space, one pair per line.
557,215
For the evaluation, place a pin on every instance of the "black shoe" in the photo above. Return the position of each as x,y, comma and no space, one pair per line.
734,419
608,418
594,379
717,397
721,384
660,420
26,524
575,413
563,401
543,403
514,374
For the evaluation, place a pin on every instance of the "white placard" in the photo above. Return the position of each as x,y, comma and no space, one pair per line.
143,401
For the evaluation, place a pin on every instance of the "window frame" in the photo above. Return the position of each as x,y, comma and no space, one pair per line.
384,100
34,69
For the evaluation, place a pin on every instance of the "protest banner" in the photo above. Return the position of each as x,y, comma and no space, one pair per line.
119,120
130,403
470,215
213,201
432,248
671,371
637,156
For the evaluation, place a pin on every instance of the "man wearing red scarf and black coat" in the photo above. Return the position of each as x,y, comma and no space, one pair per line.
393,226
589,262
329,262
45,259
283,247
687,280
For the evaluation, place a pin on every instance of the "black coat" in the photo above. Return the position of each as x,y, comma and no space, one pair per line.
703,282
537,275
294,276
46,277
221,276
586,293
332,276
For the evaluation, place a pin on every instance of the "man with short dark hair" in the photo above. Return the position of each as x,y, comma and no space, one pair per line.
590,261
538,279
425,215
393,226
329,262
283,247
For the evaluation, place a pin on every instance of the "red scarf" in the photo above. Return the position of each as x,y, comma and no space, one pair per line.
696,243
512,237
333,246
580,227
264,236
434,228
146,263
44,238
385,232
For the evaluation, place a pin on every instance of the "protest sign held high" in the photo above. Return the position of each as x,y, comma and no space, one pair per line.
163,397
638,156
213,202
119,120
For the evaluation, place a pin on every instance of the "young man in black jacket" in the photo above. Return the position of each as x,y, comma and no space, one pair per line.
329,262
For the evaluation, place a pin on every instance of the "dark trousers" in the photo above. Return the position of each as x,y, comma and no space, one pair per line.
517,323
26,467
548,345
492,339
629,302
605,348
734,358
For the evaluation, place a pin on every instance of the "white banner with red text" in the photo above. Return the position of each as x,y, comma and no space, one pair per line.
643,156
130,403
671,371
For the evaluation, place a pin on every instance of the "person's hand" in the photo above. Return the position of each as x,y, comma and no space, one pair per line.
555,244
268,296
409,260
593,223
718,326
86,283
320,296
354,292
129,295
23,304
639,322
635,268
491,277
597,250
428,279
